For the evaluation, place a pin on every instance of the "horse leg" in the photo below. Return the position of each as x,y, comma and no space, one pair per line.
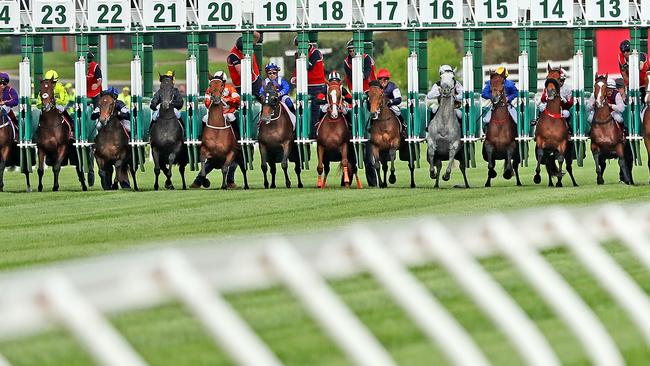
201,178
319,168
412,171
286,149
599,170
620,152
438,164
453,149
462,168
156,167
346,165
40,169
56,169
112,184
3,162
132,170
376,164
273,170
29,186
431,153
539,154
167,171
508,170
264,166
326,168
392,179
489,151
181,171
242,166
230,159
560,162
569,169
297,169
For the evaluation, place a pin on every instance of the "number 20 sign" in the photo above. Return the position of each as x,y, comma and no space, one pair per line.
220,12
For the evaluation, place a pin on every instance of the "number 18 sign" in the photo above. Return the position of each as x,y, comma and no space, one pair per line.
330,11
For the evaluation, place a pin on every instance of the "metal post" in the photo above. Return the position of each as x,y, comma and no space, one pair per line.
192,125
247,126
147,65
526,68
81,120
138,121
580,114
358,98
203,64
635,102
27,151
103,59
37,62
303,119
473,83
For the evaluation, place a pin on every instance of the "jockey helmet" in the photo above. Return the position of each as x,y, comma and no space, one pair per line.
350,44
620,83
334,76
170,74
112,91
90,56
383,74
271,66
501,70
68,85
611,84
220,75
445,68
4,78
53,75
126,89
625,46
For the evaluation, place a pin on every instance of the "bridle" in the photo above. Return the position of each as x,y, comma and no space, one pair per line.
271,99
335,100
216,100
375,115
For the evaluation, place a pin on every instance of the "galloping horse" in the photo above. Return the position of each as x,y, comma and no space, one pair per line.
607,137
552,134
500,137
384,134
333,142
276,137
112,147
53,139
219,146
7,144
646,126
443,141
166,139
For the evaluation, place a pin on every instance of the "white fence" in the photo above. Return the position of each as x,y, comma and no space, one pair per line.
78,295
513,70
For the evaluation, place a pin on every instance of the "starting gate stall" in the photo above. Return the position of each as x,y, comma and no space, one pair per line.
359,111
416,113
303,110
84,130
634,108
471,107
579,113
247,125
524,106
25,121
193,122
139,121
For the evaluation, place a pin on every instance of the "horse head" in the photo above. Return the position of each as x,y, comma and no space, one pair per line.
334,99
215,90
600,90
270,101
552,83
376,99
497,86
106,108
47,94
447,84
166,91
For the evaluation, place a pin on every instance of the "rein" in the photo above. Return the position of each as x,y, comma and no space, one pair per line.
608,120
276,118
226,125
553,115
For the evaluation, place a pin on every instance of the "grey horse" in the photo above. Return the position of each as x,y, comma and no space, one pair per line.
444,138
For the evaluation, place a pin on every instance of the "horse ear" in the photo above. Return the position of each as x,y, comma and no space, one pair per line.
455,69
548,67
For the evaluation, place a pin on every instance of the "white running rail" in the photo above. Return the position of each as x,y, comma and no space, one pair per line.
79,296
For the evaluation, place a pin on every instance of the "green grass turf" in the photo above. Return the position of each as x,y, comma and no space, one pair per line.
118,62
168,335
48,226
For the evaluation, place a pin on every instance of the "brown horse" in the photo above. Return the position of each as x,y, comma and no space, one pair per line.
646,126
384,133
333,141
53,139
607,137
552,134
276,137
7,144
219,146
500,137
112,147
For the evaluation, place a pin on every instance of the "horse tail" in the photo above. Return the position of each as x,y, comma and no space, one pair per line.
552,167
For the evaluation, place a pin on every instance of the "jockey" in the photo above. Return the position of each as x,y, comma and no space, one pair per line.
321,98
93,79
511,93
615,102
644,67
315,79
391,91
566,96
435,92
368,68
9,100
177,100
282,85
123,113
60,95
229,98
234,65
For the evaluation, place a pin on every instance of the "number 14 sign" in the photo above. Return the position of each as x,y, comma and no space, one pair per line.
551,10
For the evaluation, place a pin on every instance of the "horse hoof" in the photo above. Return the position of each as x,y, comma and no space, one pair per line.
40,188
84,188
266,185
412,185
246,187
206,183
446,177
300,185
288,185
155,187
195,185
600,181
507,175
169,186
492,173
488,184
55,189
537,179
272,185
433,174
558,184
392,179
29,189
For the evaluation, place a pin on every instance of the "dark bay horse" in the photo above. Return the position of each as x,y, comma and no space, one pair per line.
646,126
166,137
7,145
607,137
219,146
276,137
112,147
53,139
333,141
552,134
500,137
385,136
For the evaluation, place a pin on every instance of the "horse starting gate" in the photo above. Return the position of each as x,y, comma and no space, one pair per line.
32,19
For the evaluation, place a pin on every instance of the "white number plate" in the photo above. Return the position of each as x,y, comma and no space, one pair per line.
330,11
164,13
275,12
54,13
220,12
551,10
109,13
496,10
385,11
441,11
607,10
10,15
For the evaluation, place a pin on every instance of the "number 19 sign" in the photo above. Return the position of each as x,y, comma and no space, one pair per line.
330,11
164,13
275,12
607,10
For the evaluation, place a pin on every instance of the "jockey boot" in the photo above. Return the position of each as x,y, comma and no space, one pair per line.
403,127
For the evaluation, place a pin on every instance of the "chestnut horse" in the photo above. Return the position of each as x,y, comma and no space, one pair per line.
333,141
53,139
276,137
552,135
112,147
607,137
219,145
500,137
384,133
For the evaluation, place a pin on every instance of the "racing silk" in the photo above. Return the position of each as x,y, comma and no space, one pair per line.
391,91
315,67
567,98
177,100
321,98
644,68
123,112
94,76
511,90
126,99
60,96
234,59
368,71
10,97
435,92
280,83
616,102
230,99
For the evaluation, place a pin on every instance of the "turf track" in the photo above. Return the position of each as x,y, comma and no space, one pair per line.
45,227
